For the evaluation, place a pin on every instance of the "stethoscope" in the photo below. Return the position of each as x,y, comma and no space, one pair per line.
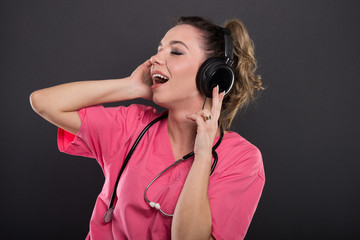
108,215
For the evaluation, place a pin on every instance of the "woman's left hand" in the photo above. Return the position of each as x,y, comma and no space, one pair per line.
192,215
207,124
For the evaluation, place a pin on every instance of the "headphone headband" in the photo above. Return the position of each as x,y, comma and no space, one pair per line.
228,46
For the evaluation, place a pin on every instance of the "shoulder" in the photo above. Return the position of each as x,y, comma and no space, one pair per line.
239,155
131,113
239,146
124,120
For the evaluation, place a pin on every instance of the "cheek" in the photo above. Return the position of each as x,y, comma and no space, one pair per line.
185,73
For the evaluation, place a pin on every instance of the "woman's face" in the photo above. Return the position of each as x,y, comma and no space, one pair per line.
175,66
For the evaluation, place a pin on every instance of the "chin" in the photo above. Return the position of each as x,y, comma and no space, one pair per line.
171,104
160,101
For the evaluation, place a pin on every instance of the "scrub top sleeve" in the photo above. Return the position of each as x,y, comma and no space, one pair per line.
235,194
102,130
75,144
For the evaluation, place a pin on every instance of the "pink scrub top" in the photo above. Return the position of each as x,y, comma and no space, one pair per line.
107,134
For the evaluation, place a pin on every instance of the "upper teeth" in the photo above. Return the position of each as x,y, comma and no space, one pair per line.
159,75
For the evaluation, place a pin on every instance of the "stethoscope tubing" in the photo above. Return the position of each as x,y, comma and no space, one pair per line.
108,214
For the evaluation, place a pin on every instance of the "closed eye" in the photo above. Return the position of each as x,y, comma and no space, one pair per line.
176,53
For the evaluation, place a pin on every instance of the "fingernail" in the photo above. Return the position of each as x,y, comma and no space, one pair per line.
217,86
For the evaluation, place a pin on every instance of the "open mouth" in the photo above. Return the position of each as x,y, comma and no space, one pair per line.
159,78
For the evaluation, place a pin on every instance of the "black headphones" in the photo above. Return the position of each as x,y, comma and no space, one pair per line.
217,71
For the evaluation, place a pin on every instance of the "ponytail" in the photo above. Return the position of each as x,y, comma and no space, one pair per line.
244,66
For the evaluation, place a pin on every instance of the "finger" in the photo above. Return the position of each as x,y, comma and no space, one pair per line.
206,115
148,63
196,118
221,97
215,97
216,102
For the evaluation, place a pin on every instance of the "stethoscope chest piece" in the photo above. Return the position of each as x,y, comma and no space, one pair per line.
108,215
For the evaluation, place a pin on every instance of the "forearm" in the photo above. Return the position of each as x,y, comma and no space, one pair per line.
192,216
59,104
76,95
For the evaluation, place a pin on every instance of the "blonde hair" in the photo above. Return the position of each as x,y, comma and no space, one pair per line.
246,83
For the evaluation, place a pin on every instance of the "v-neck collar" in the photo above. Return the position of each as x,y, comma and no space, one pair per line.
167,141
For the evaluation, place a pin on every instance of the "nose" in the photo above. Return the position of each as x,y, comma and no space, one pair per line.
157,59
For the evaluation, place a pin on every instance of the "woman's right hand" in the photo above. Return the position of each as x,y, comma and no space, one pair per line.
59,104
141,78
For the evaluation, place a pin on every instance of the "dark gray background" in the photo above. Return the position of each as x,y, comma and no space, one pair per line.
306,123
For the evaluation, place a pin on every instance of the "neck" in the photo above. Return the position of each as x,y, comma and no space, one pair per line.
181,130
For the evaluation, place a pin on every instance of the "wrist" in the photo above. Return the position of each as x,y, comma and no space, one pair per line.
138,90
203,158
204,153
131,87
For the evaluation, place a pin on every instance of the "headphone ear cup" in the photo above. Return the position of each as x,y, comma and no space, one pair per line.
213,72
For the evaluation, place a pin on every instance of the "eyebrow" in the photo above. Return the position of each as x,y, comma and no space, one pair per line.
175,42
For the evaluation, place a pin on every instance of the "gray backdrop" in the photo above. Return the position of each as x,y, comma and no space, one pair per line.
306,123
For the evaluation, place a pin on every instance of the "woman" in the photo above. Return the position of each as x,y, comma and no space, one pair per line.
204,206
